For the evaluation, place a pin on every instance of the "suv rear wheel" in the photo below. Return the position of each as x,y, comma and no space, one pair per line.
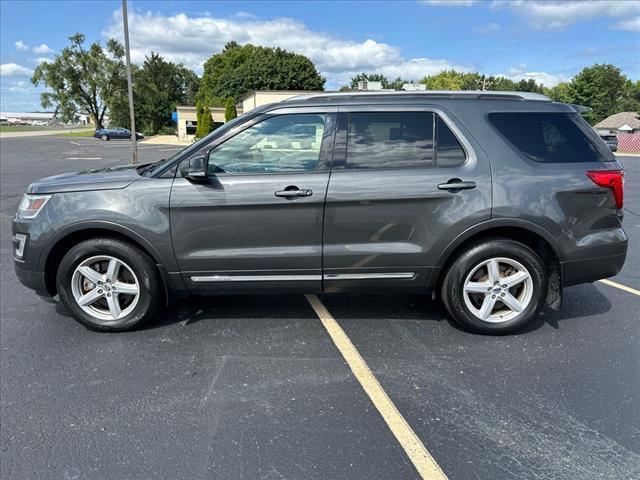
108,284
104,137
495,287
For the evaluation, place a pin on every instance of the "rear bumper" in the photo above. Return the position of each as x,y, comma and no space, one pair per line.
591,269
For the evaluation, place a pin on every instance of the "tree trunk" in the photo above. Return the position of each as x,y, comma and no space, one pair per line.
97,121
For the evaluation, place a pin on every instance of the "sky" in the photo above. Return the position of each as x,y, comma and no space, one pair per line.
545,40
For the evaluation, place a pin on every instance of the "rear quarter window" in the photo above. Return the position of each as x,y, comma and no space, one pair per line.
548,137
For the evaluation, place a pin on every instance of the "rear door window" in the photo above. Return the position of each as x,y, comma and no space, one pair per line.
548,137
389,139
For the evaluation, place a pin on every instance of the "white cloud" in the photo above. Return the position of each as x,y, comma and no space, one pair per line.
632,24
557,15
20,87
547,79
42,48
40,60
192,40
20,45
14,70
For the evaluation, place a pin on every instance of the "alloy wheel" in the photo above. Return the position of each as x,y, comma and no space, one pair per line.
106,288
497,290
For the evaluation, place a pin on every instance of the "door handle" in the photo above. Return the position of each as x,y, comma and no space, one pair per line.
455,185
293,192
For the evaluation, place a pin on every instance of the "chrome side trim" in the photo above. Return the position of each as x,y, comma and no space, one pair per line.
254,278
292,278
370,276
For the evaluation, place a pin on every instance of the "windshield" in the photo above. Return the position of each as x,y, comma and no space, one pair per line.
200,143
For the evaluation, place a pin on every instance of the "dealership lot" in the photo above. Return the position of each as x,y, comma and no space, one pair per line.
254,387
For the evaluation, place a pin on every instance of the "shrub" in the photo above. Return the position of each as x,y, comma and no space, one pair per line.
206,126
230,111
167,130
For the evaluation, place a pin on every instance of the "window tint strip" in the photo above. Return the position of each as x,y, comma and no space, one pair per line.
449,151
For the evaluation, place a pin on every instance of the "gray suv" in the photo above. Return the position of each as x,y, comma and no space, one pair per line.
493,201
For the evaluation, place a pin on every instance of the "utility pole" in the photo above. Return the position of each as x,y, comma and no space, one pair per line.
134,146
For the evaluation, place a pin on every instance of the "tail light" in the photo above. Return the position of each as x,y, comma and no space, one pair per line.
613,179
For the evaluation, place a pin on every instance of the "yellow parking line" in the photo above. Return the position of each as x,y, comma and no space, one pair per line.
409,441
621,287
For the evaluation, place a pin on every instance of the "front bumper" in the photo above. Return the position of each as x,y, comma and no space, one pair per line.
31,279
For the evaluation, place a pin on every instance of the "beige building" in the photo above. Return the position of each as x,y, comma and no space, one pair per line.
262,97
187,121
187,118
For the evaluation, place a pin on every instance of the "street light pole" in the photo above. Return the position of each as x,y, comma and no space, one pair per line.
125,21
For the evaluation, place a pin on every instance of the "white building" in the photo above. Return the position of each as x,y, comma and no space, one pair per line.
187,118
414,87
369,85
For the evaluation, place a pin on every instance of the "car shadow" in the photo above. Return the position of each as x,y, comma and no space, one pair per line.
582,301
194,309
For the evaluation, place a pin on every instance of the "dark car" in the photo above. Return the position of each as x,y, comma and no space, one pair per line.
116,132
494,202
610,141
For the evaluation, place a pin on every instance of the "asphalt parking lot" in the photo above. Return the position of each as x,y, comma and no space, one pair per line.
254,387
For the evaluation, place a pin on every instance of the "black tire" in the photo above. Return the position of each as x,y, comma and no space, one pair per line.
104,138
150,291
452,291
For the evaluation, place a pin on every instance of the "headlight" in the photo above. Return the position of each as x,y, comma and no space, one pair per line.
31,205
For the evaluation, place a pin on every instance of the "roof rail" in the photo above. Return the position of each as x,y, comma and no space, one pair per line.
426,94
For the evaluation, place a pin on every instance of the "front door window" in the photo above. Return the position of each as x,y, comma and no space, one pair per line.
279,144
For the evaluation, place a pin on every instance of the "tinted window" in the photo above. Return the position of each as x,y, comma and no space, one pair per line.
389,139
547,137
449,152
284,143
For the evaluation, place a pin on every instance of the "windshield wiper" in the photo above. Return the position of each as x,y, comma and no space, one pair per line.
151,167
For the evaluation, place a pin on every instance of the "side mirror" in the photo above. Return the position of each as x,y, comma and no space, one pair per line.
196,171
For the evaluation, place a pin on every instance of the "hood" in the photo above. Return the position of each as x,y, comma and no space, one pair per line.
95,179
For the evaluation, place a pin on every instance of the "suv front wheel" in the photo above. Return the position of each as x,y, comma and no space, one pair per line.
108,284
495,287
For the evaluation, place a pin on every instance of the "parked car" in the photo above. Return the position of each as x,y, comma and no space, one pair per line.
494,202
610,141
117,132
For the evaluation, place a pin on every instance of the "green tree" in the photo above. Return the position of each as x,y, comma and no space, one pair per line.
206,125
199,112
396,84
630,101
239,69
500,84
230,111
454,80
445,80
160,86
190,83
529,85
81,79
375,77
559,93
601,87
